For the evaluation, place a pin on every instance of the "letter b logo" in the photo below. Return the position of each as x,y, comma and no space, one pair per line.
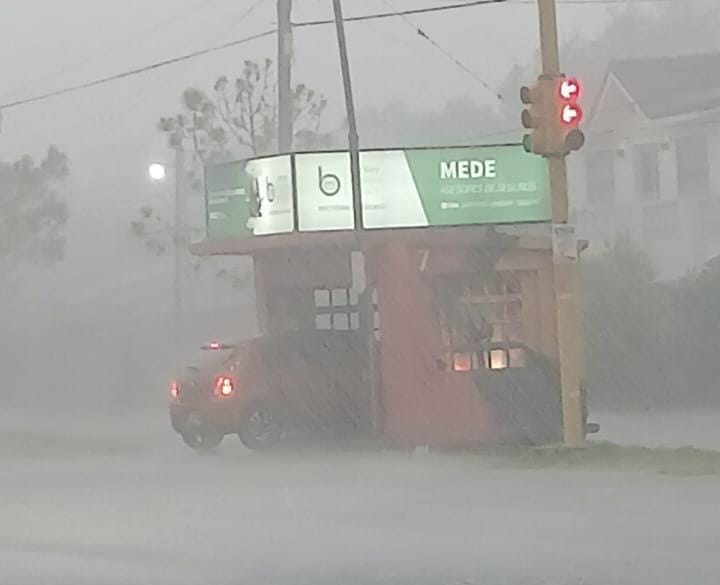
328,183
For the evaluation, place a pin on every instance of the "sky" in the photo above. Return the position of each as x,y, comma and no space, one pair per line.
109,132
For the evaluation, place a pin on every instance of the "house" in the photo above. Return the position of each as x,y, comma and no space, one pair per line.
646,171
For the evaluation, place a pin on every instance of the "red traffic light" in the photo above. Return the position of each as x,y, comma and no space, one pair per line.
571,115
553,116
569,89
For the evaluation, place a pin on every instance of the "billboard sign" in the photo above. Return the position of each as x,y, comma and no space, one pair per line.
401,188
324,191
250,198
454,187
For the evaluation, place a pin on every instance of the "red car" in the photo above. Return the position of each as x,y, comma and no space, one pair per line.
265,388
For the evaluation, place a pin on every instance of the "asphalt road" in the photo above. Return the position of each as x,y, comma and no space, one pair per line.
147,511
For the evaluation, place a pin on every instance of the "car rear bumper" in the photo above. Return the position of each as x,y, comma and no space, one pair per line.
215,416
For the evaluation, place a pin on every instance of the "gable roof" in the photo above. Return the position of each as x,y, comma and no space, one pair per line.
670,86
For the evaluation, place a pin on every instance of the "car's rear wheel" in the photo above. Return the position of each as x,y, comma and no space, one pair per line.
260,428
201,440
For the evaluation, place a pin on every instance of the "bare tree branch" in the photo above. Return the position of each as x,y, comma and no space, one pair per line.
244,112
196,144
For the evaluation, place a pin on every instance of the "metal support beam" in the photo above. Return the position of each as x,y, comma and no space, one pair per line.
353,139
367,305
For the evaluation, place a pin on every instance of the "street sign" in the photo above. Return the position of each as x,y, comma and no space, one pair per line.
565,244
401,188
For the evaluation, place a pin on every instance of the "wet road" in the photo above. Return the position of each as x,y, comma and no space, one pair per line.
151,512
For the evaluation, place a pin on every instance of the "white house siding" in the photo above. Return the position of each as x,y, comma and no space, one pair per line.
679,232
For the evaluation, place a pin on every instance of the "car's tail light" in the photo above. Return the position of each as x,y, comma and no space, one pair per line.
175,389
224,386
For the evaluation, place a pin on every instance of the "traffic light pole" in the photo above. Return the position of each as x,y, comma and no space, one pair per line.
565,274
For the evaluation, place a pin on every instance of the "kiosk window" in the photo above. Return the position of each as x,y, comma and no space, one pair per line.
336,309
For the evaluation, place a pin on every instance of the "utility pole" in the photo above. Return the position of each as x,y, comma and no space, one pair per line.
180,237
367,304
353,139
565,275
285,99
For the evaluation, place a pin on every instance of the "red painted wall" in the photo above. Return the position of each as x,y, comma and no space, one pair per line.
422,404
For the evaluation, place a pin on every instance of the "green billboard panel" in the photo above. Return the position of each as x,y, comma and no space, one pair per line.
454,186
401,188
249,198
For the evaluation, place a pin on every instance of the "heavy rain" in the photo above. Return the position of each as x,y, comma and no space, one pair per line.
359,291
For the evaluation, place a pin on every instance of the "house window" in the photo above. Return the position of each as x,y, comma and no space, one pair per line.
322,297
478,314
601,176
647,171
692,166
336,309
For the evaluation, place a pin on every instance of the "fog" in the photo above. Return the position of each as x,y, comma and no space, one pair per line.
100,312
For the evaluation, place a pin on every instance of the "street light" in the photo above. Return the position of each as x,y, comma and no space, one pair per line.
157,171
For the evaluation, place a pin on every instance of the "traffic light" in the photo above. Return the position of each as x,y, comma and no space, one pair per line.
570,114
554,115
535,117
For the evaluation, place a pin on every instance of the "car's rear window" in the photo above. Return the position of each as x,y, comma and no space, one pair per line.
205,359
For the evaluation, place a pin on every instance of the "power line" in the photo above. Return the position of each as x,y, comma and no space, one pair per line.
444,51
470,4
589,2
230,44
126,41
581,2
378,15
245,14
366,17
137,71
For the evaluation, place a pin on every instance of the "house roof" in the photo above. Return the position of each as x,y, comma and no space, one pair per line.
670,86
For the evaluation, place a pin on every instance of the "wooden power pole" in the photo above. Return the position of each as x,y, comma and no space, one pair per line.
284,67
565,273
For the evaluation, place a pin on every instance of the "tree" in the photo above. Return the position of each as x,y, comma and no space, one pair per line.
696,310
633,31
461,121
650,344
239,117
32,211
628,319
236,119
